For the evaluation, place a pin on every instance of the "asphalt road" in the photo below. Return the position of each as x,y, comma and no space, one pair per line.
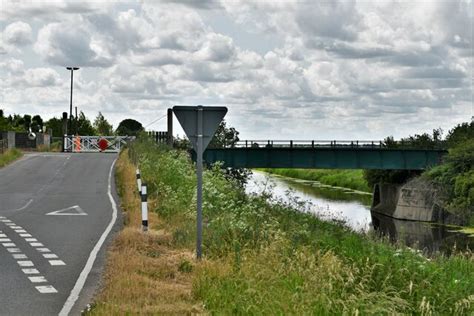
51,264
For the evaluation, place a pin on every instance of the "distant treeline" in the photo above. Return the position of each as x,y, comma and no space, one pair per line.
81,125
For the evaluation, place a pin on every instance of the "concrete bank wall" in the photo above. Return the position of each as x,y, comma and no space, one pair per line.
414,201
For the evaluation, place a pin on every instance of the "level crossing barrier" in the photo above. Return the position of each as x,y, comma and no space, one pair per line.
88,144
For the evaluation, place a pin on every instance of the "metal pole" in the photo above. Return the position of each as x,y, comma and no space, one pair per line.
199,182
170,127
70,105
75,118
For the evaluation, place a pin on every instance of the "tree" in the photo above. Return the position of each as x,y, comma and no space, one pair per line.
84,126
102,126
36,124
56,125
224,136
228,137
129,127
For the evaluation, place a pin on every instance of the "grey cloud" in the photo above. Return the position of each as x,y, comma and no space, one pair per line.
328,19
198,4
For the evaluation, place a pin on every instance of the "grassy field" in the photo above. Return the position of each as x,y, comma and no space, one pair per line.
9,156
261,258
352,179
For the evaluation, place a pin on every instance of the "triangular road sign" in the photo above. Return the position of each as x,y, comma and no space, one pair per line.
211,118
73,211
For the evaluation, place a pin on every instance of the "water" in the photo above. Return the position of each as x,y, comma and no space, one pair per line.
353,208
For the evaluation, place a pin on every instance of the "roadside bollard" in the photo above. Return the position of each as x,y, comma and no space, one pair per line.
144,209
139,181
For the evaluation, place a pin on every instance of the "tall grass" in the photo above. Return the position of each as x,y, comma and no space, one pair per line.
267,258
9,156
352,179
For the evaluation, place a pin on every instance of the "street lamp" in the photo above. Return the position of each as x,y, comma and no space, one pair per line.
70,104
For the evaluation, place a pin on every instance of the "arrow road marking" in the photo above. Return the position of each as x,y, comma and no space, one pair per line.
73,211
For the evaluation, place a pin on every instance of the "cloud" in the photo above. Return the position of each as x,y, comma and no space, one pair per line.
66,44
17,34
337,68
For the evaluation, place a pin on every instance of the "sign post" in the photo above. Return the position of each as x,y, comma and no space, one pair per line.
200,124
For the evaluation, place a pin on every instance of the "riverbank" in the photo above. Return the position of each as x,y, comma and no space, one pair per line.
260,257
9,156
352,179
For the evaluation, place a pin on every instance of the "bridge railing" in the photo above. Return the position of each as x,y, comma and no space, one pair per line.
328,144
306,143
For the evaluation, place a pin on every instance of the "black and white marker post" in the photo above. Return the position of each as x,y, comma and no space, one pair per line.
139,180
144,208
200,124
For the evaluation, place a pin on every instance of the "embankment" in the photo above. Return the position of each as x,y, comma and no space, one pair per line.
9,156
260,258
352,179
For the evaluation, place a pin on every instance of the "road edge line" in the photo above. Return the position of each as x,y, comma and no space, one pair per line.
74,295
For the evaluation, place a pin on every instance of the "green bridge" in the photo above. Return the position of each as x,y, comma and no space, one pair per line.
324,155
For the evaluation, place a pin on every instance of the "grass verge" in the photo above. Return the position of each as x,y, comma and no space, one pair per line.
261,258
9,156
144,273
352,179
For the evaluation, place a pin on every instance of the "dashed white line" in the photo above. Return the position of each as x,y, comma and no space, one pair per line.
25,235
30,271
50,256
37,279
36,244
19,256
46,289
8,244
31,239
57,263
5,239
12,250
26,263
20,230
43,249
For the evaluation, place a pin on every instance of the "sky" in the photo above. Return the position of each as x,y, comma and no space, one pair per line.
298,70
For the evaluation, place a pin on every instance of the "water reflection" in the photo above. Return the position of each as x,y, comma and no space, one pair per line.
427,237
353,208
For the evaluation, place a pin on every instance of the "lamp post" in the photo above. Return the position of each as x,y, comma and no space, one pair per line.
70,104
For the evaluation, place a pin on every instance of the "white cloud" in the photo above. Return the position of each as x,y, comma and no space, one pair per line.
17,34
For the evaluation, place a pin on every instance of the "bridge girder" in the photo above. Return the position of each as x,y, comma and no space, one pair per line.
325,158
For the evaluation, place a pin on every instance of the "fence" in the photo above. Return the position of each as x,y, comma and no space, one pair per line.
3,146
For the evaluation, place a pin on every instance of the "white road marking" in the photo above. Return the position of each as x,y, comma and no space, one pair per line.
46,289
57,263
71,300
31,239
10,224
8,244
25,263
37,279
36,244
5,220
19,256
25,235
20,230
3,235
16,227
43,249
30,271
50,256
73,211
5,239
12,250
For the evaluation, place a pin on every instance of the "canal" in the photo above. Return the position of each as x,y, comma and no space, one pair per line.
353,209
